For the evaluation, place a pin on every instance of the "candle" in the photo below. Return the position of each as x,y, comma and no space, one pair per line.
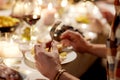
40,2
48,14
17,10
37,11
9,50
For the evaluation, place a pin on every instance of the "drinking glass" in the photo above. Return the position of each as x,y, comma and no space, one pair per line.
3,37
8,48
31,15
9,51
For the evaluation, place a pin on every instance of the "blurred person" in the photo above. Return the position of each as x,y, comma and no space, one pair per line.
107,9
48,63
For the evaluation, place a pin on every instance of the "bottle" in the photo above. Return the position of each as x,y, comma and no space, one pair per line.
111,53
117,35
113,46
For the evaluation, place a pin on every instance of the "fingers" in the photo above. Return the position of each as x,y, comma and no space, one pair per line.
39,48
38,66
65,42
66,34
70,35
54,50
39,52
36,47
54,47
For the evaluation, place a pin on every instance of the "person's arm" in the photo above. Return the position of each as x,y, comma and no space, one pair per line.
97,49
71,38
48,63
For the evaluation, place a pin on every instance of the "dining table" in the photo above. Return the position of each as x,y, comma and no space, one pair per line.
76,64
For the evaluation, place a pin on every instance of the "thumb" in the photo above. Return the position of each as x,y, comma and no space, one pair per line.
54,48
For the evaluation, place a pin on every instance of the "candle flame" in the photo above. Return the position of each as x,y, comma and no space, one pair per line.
34,16
40,2
37,11
90,35
64,3
50,6
84,26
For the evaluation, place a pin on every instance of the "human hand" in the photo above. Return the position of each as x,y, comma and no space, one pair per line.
74,39
48,63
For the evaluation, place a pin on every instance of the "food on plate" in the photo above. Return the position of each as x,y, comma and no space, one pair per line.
32,51
82,19
62,53
7,21
7,73
63,56
60,47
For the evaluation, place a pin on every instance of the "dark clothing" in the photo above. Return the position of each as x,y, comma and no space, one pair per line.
96,72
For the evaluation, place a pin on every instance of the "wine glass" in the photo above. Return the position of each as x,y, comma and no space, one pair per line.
31,15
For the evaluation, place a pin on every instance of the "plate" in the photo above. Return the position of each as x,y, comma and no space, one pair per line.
29,73
70,57
29,59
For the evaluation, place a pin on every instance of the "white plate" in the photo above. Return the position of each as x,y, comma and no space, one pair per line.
70,57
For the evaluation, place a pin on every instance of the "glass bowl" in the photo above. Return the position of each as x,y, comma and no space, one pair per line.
8,24
9,28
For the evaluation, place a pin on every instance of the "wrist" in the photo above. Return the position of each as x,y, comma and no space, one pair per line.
54,72
89,47
58,75
52,75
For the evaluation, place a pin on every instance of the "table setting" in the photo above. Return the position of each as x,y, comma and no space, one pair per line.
20,57
34,22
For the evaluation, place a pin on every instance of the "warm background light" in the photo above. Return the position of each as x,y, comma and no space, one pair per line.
9,50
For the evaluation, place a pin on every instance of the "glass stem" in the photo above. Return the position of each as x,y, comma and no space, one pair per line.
32,35
1,61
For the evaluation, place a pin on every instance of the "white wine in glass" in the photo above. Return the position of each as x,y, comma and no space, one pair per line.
32,13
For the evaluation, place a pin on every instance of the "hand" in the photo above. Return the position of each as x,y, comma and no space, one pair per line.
74,39
48,63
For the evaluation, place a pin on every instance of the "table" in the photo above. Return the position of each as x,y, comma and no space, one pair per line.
30,73
76,67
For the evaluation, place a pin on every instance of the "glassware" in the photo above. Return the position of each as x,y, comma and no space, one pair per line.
9,51
29,31
57,29
32,13
113,46
49,12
